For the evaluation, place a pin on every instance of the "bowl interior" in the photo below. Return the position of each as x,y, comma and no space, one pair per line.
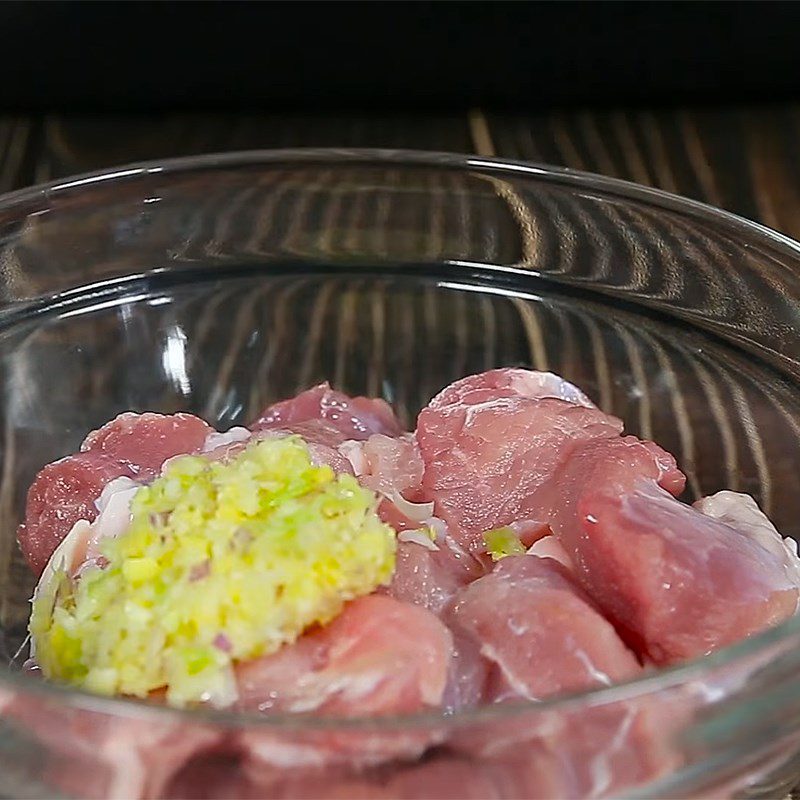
224,347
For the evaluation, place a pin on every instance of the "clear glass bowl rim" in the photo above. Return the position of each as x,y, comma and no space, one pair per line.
661,679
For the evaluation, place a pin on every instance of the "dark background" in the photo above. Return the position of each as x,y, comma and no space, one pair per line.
138,56
697,98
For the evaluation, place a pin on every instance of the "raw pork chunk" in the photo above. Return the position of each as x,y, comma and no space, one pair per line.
378,656
490,464
355,417
542,634
132,445
676,581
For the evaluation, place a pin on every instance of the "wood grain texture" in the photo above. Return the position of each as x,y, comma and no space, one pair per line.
16,151
744,159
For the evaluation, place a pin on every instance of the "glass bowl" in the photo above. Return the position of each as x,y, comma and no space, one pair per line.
218,284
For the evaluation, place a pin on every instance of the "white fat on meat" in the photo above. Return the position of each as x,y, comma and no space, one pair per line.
417,512
741,511
418,537
529,383
231,436
80,547
353,451
114,507
550,547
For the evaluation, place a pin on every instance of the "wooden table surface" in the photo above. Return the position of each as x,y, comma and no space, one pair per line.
742,158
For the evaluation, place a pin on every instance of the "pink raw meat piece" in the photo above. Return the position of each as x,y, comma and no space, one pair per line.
541,633
222,777
429,578
213,776
132,445
143,442
391,515
603,750
677,583
392,467
509,382
61,494
392,464
577,761
379,656
95,755
356,417
586,750
469,680
488,465
439,778
454,778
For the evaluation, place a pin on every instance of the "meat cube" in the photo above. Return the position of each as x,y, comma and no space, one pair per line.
677,582
379,656
355,417
539,630
132,445
490,464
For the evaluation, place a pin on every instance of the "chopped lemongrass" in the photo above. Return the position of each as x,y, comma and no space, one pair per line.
502,542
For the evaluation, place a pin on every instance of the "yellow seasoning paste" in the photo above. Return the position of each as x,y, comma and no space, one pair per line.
223,561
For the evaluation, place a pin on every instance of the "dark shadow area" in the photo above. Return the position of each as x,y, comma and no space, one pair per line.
139,56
